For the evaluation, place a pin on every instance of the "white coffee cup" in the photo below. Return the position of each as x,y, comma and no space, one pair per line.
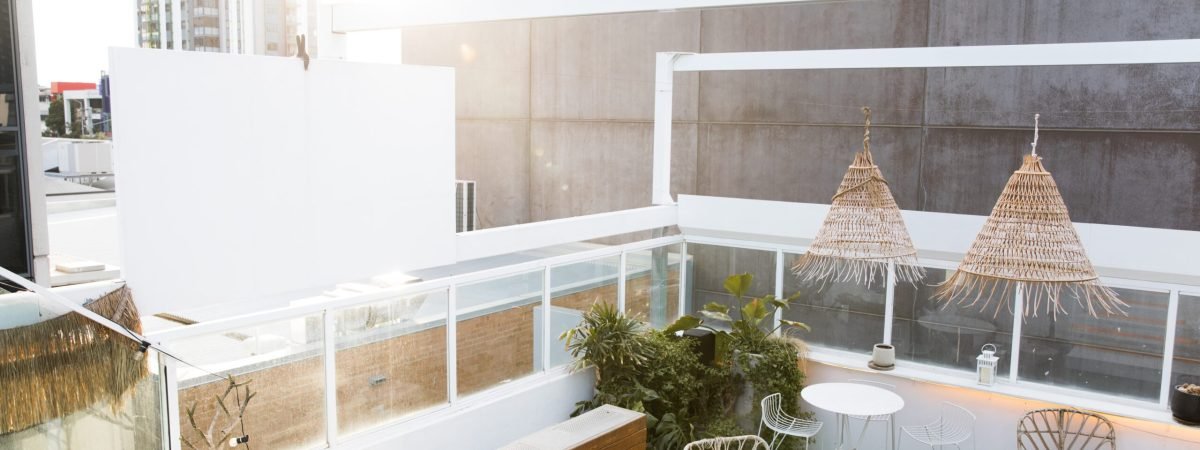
884,355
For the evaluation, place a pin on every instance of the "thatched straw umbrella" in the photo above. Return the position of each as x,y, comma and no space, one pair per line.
1029,244
863,232
56,367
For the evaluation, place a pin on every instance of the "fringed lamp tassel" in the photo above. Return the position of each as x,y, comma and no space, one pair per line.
1029,244
863,232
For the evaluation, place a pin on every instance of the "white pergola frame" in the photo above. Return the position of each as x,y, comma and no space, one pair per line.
1083,54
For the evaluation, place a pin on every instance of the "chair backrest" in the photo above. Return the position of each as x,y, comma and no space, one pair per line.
748,442
771,408
890,387
1065,429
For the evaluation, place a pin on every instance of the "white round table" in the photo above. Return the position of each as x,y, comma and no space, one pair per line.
853,399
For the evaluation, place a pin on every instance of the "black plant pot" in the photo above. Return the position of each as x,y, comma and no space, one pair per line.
1185,407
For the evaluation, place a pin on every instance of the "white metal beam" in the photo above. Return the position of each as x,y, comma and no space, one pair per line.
368,15
1092,53
504,240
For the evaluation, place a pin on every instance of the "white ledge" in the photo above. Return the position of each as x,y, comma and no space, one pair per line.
1085,400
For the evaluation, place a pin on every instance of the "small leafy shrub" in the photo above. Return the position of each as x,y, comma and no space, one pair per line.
651,372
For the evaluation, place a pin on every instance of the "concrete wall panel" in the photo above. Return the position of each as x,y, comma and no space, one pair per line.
602,67
1120,97
801,163
495,153
813,97
1135,179
580,168
491,62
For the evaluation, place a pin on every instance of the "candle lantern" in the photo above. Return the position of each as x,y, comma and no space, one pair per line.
985,369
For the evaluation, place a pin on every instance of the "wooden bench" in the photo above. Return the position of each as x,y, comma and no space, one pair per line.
605,428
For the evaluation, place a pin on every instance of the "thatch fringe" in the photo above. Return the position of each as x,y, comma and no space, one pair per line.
971,290
821,269
863,230
53,368
1029,241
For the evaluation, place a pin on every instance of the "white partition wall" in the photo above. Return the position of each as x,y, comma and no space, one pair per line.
247,177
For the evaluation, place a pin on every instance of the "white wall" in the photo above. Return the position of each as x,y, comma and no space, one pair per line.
487,424
246,177
998,415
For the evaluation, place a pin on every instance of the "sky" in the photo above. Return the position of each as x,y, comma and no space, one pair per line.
73,36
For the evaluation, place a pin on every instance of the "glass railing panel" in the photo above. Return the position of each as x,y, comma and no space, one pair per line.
929,331
284,364
712,264
652,284
574,288
1118,355
391,359
843,315
496,331
1186,367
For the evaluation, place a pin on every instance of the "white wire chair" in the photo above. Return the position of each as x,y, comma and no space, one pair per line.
953,426
782,425
1065,429
747,442
891,435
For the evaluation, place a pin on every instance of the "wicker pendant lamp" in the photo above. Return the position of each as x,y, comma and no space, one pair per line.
1029,243
863,231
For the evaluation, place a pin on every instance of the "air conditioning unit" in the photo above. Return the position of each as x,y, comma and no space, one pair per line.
464,200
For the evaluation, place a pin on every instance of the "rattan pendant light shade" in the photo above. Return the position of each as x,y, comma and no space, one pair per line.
863,231
1029,243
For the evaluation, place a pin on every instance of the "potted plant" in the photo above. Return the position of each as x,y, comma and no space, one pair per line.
744,335
749,342
1185,403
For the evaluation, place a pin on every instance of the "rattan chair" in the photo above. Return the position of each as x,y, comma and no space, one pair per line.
1065,429
747,442
782,425
953,426
891,435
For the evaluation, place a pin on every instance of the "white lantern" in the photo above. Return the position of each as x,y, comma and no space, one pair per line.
985,369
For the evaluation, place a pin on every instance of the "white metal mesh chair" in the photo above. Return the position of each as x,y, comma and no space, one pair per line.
891,435
953,426
782,425
1065,429
747,442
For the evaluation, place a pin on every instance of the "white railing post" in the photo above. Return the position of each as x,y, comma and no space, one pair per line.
889,301
1018,320
330,340
452,344
1169,347
545,319
169,392
775,321
683,280
621,282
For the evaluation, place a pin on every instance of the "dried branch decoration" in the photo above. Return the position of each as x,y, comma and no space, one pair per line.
216,434
1029,243
863,231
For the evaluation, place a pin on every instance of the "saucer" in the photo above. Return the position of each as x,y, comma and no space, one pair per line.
872,365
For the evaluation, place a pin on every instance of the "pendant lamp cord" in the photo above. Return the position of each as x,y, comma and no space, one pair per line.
1035,133
867,129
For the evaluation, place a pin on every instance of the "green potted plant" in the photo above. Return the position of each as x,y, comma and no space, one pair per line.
750,343
744,335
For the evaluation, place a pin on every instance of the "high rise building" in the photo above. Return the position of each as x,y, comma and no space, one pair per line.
263,27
